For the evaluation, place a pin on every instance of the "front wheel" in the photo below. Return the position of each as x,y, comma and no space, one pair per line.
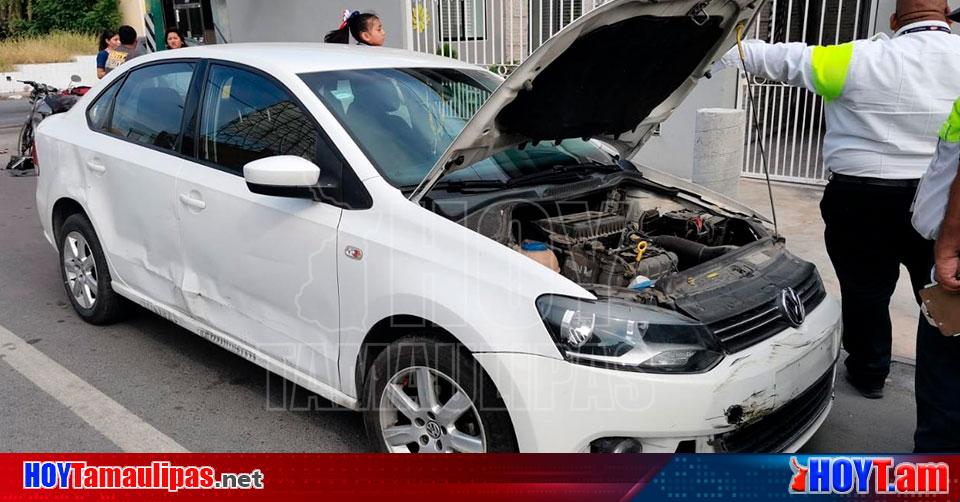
427,396
26,139
22,160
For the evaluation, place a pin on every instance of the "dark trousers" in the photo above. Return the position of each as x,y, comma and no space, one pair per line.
868,235
938,391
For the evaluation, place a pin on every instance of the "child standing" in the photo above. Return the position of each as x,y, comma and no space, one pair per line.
367,29
109,41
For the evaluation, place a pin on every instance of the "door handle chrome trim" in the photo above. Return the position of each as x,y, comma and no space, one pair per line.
191,202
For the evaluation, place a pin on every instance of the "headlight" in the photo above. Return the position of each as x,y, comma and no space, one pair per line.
620,335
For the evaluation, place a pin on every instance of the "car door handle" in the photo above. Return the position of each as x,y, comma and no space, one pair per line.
192,202
95,166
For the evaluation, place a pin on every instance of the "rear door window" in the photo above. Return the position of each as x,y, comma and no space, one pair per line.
99,111
148,109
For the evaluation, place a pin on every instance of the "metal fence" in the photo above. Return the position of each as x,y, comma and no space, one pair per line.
500,34
496,34
791,119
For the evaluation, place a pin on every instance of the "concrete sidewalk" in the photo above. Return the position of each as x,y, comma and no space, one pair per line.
798,212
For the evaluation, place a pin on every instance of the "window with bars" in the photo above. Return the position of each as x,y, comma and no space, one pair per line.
562,13
461,20
550,16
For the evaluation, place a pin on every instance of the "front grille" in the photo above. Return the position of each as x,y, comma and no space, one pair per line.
755,325
784,426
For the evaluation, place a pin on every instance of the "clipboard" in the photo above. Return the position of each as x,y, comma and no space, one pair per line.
942,309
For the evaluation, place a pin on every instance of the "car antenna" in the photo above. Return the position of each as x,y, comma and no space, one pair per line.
756,126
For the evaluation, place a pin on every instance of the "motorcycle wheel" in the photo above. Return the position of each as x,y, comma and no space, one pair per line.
26,139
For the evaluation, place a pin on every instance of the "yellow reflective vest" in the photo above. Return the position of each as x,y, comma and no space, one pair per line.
884,98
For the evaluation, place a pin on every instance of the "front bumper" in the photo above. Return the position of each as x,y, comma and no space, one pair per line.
557,406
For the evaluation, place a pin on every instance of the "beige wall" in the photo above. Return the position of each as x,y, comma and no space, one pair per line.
304,20
131,13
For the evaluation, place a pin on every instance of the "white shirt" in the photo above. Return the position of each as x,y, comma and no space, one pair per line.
930,203
897,93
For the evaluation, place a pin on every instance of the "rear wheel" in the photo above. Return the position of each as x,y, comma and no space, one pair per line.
86,277
428,396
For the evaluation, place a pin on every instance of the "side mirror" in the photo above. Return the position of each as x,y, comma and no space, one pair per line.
75,78
283,176
9,79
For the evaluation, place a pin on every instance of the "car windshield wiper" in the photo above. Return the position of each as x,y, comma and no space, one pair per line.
560,172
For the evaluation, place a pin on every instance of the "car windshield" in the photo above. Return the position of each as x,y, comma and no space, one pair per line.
405,118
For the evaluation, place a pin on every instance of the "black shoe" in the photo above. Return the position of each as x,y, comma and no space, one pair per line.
867,390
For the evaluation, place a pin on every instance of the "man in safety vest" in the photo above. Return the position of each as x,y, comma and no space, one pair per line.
936,215
884,100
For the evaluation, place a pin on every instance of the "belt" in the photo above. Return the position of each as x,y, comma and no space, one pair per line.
880,182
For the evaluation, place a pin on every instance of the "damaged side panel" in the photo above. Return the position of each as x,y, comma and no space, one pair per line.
263,269
134,201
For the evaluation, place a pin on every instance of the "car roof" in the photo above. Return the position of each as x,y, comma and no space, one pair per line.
310,57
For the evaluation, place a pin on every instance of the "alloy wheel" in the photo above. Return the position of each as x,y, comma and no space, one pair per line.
424,411
80,269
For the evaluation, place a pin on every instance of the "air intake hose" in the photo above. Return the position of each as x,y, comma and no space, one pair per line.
689,252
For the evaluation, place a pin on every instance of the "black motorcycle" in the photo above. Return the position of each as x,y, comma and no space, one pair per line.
46,100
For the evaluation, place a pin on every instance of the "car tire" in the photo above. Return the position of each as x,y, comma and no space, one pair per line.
85,274
458,380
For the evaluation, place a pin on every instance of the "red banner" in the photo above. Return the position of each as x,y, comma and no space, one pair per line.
641,478
292,477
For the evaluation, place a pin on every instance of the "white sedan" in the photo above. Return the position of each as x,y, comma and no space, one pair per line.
469,261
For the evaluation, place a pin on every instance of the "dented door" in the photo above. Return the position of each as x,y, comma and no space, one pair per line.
129,164
258,267
262,268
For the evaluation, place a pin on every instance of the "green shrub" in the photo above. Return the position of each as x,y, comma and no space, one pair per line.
447,51
104,15
40,17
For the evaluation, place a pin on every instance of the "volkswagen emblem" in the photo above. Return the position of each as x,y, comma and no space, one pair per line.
791,307
433,429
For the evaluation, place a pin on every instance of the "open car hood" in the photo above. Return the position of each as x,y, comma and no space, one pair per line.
613,75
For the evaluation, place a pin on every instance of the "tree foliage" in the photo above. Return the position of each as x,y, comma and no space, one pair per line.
39,17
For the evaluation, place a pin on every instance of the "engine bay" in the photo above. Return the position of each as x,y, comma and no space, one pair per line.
622,240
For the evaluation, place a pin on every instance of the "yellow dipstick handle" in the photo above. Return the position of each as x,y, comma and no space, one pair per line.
641,248
743,55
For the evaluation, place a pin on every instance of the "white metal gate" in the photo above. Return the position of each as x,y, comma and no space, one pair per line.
497,34
791,119
500,34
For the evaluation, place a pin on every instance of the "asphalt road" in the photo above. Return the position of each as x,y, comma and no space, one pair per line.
13,112
207,399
